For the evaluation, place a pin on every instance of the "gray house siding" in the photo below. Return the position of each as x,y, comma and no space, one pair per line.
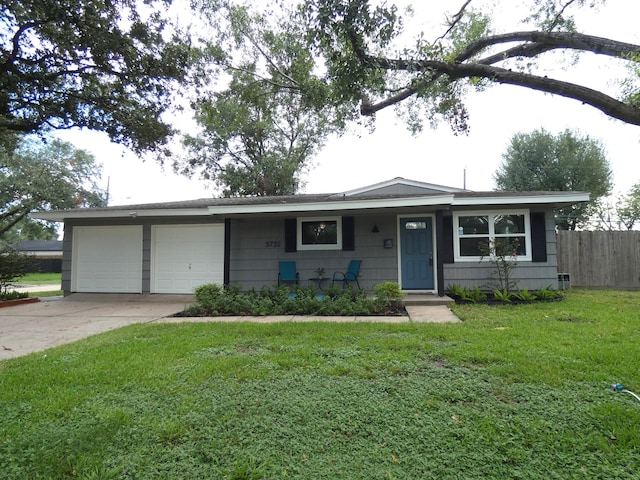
258,245
531,275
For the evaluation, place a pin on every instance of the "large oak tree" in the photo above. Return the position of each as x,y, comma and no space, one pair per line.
371,62
107,65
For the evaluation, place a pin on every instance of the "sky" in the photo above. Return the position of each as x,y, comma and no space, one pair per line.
361,158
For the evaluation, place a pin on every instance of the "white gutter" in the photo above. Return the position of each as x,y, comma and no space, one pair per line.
331,206
548,198
61,216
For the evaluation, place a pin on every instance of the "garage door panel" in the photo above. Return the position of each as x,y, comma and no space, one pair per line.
107,259
186,256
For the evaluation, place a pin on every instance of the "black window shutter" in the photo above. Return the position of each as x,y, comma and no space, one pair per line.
538,237
447,236
290,242
348,234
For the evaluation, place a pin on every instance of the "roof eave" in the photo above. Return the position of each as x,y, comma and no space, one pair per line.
555,200
334,206
62,215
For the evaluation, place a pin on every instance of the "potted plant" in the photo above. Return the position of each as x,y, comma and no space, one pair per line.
320,272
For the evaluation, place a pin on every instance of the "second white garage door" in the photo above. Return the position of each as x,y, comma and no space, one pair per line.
186,256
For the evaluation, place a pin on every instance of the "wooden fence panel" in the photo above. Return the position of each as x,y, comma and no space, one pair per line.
600,259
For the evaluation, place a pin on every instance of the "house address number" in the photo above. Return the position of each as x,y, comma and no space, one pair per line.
272,244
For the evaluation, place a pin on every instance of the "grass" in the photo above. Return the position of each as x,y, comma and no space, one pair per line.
40,279
47,293
512,392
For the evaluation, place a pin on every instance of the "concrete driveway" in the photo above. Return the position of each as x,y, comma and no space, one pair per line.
54,321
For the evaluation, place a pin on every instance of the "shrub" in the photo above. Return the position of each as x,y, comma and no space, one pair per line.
548,293
13,265
476,295
214,300
502,295
525,295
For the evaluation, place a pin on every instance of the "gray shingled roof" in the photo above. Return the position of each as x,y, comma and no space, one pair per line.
38,246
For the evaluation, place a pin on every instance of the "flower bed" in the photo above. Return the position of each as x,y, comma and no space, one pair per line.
465,295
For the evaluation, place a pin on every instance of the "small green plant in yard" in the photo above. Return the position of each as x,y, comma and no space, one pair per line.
502,296
548,293
525,296
13,295
507,393
457,290
502,253
475,295
389,292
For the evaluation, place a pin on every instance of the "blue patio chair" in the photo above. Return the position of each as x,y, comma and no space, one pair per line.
288,273
351,275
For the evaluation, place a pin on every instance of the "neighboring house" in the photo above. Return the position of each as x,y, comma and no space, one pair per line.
420,235
47,253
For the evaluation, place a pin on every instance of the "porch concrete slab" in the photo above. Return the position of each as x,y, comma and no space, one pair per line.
431,313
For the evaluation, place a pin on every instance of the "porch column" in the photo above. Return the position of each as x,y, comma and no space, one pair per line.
440,250
227,251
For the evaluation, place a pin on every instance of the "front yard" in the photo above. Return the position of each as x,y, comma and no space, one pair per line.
511,392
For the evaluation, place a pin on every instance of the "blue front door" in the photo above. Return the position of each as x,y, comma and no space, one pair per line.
416,253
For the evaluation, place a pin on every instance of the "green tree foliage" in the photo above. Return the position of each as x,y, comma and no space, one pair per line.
629,211
540,161
259,133
620,213
29,229
44,176
370,60
105,65
13,265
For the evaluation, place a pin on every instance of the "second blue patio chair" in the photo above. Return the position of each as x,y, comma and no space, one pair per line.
288,274
351,275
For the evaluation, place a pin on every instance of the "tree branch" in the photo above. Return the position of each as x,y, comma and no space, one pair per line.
553,40
605,103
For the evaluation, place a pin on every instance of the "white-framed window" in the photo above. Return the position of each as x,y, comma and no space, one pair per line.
319,233
474,231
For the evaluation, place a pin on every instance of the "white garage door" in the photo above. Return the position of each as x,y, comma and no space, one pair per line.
107,259
186,256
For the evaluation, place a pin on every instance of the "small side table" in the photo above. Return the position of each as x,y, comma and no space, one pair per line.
318,281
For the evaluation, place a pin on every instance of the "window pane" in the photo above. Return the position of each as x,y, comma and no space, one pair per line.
474,247
320,233
509,245
473,225
415,225
506,224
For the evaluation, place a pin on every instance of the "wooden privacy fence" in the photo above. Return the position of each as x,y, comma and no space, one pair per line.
600,259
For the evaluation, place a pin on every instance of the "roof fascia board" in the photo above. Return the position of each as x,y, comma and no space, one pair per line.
336,205
520,200
61,216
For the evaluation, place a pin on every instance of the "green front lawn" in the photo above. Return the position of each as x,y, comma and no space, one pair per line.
511,392
40,279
